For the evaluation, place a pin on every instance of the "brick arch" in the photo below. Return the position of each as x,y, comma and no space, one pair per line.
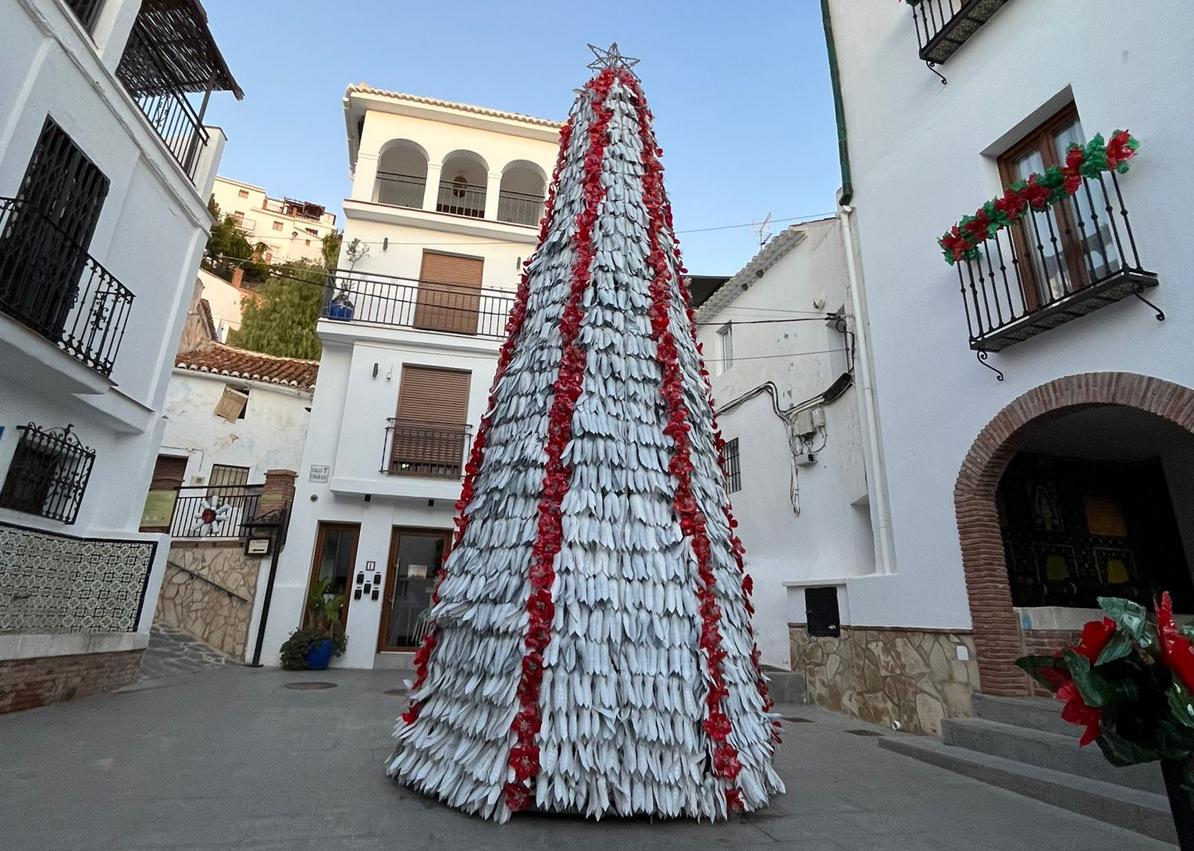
996,631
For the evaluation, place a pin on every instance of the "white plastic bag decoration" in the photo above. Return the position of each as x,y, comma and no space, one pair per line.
211,517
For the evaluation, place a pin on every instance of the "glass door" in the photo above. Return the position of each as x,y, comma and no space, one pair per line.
335,555
415,559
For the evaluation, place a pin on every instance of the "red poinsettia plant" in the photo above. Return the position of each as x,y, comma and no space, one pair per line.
1129,682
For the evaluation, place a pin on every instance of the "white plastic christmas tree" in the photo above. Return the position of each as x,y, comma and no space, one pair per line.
592,649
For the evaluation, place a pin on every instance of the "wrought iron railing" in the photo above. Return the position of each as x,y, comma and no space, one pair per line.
423,305
1052,266
461,199
520,208
942,26
164,102
50,284
85,11
400,190
48,474
214,511
426,450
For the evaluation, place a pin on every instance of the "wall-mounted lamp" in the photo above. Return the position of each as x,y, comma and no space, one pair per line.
375,366
385,243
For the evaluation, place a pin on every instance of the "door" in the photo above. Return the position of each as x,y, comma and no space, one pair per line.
431,428
449,296
168,474
43,243
335,556
416,556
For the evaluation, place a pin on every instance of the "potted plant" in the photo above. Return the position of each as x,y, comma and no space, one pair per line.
341,306
311,646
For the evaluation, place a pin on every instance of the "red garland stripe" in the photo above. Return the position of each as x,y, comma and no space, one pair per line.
524,754
692,522
513,328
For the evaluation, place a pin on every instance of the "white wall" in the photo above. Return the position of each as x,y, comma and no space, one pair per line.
224,300
270,437
922,156
292,242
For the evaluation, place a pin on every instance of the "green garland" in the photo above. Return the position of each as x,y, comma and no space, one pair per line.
1038,192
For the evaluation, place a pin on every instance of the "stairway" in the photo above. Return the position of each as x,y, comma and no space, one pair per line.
1022,745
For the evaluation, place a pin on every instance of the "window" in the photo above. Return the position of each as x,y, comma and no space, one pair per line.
48,474
233,404
449,295
306,242
239,217
242,193
431,429
312,231
335,557
276,226
733,466
227,475
821,611
86,11
725,347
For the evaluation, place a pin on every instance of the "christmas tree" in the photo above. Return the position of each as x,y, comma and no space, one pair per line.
592,649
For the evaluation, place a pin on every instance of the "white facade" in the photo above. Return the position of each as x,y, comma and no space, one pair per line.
288,232
148,235
226,301
802,518
343,475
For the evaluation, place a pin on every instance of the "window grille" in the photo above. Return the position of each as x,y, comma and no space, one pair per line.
733,466
48,474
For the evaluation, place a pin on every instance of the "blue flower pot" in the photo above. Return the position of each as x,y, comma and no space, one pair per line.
340,310
319,655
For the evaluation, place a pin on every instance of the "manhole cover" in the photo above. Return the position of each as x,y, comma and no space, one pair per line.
395,692
864,733
798,720
309,685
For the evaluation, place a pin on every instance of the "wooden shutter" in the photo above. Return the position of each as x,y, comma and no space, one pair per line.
449,293
430,431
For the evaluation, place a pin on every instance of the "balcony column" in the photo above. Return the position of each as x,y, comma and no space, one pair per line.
493,188
364,179
431,190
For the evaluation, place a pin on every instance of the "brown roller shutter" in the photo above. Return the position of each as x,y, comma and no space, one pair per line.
430,431
449,293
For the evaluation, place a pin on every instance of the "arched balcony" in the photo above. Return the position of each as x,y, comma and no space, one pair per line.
462,185
520,200
401,174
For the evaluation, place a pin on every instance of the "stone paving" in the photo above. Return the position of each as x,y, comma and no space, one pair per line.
232,758
172,654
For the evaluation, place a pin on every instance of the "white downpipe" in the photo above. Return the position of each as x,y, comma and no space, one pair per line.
876,471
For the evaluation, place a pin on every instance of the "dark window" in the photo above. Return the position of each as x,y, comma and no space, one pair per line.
226,475
48,474
335,557
733,466
820,607
431,431
85,10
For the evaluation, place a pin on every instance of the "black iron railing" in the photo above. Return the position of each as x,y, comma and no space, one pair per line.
50,284
461,199
427,450
520,208
424,305
148,78
400,190
85,11
215,511
49,473
1052,266
942,26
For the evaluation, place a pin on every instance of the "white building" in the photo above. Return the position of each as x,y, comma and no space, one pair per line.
291,230
105,170
778,346
445,203
1015,498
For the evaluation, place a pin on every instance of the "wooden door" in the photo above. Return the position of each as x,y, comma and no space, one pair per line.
334,561
449,296
431,427
416,556
168,474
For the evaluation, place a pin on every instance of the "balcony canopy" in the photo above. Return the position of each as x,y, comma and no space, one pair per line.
174,50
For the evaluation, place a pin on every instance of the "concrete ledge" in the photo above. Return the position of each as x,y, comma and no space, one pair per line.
69,644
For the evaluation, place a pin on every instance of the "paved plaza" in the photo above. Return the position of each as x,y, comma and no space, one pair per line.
231,757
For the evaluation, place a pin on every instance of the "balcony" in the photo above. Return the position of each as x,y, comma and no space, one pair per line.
1051,267
519,208
51,285
942,26
458,198
170,58
425,450
421,305
213,511
400,190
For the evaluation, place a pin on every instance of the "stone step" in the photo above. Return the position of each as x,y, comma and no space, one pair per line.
1042,714
1146,813
785,686
1047,750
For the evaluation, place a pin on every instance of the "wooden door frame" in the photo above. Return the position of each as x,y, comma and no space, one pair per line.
320,526
383,625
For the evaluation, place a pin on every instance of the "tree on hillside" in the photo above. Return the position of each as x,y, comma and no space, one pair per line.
331,249
280,320
225,238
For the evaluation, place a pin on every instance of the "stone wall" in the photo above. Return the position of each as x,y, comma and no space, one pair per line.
913,677
208,593
26,683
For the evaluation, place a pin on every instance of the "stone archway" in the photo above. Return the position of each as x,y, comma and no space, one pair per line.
997,634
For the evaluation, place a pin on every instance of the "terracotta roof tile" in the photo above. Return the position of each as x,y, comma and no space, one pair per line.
365,88
219,359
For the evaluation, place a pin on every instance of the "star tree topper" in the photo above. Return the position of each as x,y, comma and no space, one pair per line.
611,57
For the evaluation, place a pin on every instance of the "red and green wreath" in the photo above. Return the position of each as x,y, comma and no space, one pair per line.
1129,682
1038,192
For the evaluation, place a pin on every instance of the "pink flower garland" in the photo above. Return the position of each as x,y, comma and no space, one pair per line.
692,522
524,754
513,327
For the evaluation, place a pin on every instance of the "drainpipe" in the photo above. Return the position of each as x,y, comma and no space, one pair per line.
876,472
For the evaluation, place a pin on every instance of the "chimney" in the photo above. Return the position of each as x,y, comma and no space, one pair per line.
278,491
238,275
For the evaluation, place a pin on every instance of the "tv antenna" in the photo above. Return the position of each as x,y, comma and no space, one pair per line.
764,230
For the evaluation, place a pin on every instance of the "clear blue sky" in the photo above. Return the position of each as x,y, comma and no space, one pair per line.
740,92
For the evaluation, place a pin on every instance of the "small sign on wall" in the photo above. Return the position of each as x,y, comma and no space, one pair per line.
319,473
258,547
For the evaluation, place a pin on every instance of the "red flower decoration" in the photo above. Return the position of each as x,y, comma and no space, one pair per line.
1176,650
518,797
1077,712
725,761
734,801
1095,636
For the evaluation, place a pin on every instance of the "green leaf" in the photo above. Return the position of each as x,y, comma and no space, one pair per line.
1119,751
1093,688
1130,617
1039,668
1181,703
1117,647
1174,741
